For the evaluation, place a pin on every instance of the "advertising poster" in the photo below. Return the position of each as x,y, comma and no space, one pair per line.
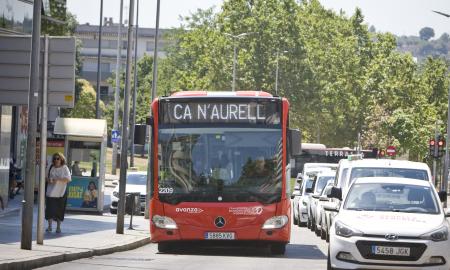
53,146
82,193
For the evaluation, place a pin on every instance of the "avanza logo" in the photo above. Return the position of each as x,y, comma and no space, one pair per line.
189,210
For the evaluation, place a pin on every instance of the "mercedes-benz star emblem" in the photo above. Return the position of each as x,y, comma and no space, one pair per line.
391,236
219,222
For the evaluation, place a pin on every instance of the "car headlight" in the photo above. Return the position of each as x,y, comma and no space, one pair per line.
276,222
164,222
116,194
304,203
438,235
345,231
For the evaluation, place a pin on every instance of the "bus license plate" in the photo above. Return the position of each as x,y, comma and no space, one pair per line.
219,236
391,251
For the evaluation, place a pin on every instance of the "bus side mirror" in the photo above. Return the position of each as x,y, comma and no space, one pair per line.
296,141
149,121
442,196
335,193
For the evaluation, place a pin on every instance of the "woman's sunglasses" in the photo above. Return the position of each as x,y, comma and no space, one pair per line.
56,158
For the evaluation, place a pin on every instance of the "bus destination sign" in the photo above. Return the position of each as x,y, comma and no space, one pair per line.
267,112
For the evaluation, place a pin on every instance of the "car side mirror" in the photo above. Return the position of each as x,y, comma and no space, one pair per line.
149,120
292,196
308,190
442,196
335,193
447,213
330,208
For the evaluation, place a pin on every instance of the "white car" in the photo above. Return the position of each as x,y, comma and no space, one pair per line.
321,181
321,224
390,223
136,182
349,170
303,202
295,196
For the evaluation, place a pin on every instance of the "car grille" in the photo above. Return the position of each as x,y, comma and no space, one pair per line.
364,247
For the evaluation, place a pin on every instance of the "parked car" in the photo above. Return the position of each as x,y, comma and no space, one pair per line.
302,211
321,181
136,182
295,196
321,225
389,223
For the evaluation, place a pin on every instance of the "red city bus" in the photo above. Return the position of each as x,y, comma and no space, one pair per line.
221,168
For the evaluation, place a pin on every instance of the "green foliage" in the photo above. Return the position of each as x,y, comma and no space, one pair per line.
85,104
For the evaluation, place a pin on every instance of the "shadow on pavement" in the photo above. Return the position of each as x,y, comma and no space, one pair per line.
293,251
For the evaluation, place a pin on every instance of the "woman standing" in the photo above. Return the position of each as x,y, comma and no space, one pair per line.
56,196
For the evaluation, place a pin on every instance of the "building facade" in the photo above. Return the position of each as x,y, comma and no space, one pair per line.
16,18
88,34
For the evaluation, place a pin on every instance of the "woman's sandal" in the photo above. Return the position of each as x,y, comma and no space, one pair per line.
49,229
58,230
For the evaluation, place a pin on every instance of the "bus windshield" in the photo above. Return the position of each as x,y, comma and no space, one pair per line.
219,165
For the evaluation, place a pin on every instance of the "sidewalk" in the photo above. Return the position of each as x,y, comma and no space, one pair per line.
13,207
83,235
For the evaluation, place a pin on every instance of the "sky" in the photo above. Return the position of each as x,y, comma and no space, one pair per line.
401,17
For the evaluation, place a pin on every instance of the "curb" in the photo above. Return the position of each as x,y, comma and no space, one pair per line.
71,256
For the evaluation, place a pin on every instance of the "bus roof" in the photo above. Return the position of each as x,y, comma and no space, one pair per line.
185,94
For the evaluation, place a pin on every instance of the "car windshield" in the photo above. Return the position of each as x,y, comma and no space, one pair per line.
391,197
322,182
137,179
388,172
220,164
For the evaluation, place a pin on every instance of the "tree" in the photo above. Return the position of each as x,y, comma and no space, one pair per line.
426,33
85,105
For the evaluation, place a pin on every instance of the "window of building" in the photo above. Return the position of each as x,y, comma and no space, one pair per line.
150,46
16,15
105,67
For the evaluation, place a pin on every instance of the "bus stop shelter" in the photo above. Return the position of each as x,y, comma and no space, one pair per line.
85,151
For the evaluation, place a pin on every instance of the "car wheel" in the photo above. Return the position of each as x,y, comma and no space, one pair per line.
277,248
308,223
164,247
329,261
113,211
302,224
313,225
295,220
317,231
323,233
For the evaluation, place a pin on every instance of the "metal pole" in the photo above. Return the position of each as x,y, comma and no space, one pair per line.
276,76
233,87
435,153
117,92
133,107
30,166
99,56
125,124
447,161
42,170
150,143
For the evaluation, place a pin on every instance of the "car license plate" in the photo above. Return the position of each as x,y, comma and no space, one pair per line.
219,236
391,251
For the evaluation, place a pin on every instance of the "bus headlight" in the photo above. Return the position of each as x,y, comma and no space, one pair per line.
438,235
276,222
164,222
116,194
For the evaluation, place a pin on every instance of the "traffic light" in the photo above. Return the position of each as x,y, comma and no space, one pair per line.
441,146
431,148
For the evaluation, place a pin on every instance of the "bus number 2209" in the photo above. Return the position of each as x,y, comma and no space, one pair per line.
165,190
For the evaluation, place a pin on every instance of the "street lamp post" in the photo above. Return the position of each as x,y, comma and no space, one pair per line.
444,186
235,37
117,92
99,57
276,72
